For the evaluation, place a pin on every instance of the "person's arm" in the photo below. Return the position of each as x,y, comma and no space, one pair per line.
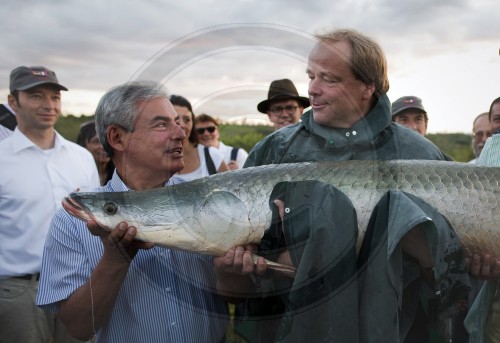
89,307
223,167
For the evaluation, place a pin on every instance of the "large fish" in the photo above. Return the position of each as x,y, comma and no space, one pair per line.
213,214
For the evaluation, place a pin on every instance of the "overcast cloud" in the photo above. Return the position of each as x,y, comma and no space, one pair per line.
222,54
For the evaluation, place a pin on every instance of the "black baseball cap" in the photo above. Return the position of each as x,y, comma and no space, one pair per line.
407,102
23,78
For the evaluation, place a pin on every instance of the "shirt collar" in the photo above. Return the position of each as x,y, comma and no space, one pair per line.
21,142
116,184
362,132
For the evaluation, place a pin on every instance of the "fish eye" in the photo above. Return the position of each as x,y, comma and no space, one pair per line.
110,207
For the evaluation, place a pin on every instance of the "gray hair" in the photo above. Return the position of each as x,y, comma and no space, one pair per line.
121,106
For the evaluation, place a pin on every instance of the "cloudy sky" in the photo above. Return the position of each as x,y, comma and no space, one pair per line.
222,54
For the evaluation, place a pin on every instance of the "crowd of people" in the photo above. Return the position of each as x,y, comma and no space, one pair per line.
64,280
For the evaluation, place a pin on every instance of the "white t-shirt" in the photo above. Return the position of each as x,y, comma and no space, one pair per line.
32,184
202,170
225,150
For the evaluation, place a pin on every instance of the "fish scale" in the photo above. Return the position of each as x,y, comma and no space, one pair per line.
212,214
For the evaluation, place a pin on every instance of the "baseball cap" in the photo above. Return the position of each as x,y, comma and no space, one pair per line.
23,78
407,102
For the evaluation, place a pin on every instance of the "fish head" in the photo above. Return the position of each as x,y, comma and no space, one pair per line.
106,208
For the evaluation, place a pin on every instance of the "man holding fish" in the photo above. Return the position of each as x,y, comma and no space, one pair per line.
107,284
378,301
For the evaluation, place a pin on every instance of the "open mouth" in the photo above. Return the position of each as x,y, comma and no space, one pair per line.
77,210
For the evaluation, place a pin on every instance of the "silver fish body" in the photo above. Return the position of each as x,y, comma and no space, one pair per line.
213,214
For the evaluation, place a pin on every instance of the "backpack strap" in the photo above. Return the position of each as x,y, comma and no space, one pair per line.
210,162
7,119
234,153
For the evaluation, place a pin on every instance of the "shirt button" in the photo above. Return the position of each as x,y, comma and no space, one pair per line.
347,134
168,289
354,133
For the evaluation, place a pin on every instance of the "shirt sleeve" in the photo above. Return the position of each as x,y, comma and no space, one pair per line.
241,157
65,265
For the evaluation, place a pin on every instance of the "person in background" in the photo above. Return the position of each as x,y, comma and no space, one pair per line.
112,286
7,121
87,138
38,169
199,161
410,112
207,132
480,133
283,105
483,319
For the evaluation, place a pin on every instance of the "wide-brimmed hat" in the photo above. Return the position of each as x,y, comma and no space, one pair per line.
23,78
282,90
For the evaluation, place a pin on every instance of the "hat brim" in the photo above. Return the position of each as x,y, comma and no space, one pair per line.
408,108
35,84
263,106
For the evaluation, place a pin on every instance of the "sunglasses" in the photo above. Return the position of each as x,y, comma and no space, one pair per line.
201,130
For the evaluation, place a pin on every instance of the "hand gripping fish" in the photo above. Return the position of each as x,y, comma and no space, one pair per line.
213,214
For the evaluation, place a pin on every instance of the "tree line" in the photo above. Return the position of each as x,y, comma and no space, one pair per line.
456,145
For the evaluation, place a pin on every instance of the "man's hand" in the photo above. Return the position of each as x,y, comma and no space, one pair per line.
235,272
119,244
239,260
483,267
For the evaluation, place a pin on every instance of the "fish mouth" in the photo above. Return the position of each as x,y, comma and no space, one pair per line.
77,210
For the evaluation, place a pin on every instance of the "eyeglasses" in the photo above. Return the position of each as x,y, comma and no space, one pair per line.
279,109
481,134
201,130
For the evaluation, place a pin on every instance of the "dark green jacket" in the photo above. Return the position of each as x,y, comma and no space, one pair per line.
336,296
374,137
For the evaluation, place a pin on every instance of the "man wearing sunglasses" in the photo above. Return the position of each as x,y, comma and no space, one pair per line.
283,105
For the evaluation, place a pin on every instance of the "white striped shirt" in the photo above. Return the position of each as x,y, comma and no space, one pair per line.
167,295
490,155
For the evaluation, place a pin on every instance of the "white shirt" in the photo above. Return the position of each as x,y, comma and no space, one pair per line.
225,150
5,132
32,184
202,170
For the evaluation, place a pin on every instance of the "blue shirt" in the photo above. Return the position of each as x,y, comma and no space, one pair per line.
167,295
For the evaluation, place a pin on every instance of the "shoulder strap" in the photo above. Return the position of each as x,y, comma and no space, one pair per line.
7,119
234,153
210,162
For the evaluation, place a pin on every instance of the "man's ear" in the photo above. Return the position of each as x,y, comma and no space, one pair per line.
116,137
368,91
12,102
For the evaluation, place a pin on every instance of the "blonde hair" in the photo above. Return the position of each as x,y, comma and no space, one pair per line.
367,60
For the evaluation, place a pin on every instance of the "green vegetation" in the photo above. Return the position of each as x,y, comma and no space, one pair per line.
456,145
68,126
243,136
